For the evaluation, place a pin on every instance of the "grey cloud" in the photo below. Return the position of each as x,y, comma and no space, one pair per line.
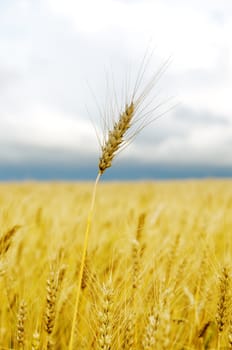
200,79
187,115
125,171
20,153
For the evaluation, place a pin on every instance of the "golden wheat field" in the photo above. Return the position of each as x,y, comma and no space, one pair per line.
157,273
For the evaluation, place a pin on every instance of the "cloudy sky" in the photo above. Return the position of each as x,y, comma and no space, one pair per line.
63,61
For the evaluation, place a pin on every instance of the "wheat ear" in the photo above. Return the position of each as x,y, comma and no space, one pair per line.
21,325
50,313
105,318
116,138
35,345
6,239
223,302
129,332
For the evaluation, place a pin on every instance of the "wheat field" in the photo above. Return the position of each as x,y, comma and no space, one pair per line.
157,273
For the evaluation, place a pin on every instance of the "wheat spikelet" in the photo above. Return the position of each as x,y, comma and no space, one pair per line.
157,334
35,344
21,317
157,331
207,334
129,332
61,276
140,226
6,239
50,312
222,306
135,263
230,336
164,330
149,339
223,303
105,318
85,277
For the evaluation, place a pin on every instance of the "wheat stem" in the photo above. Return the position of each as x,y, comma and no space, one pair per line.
84,251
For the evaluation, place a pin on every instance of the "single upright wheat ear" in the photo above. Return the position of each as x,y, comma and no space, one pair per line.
117,137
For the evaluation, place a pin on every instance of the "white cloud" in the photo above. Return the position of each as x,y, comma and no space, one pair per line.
188,32
89,16
41,127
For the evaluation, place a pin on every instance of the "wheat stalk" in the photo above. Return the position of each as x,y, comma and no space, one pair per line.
82,265
115,140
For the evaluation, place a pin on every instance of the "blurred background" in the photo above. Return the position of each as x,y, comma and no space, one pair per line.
60,58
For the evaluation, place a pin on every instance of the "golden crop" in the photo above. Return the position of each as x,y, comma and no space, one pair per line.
157,273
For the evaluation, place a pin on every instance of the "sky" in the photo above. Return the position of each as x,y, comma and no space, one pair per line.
65,65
